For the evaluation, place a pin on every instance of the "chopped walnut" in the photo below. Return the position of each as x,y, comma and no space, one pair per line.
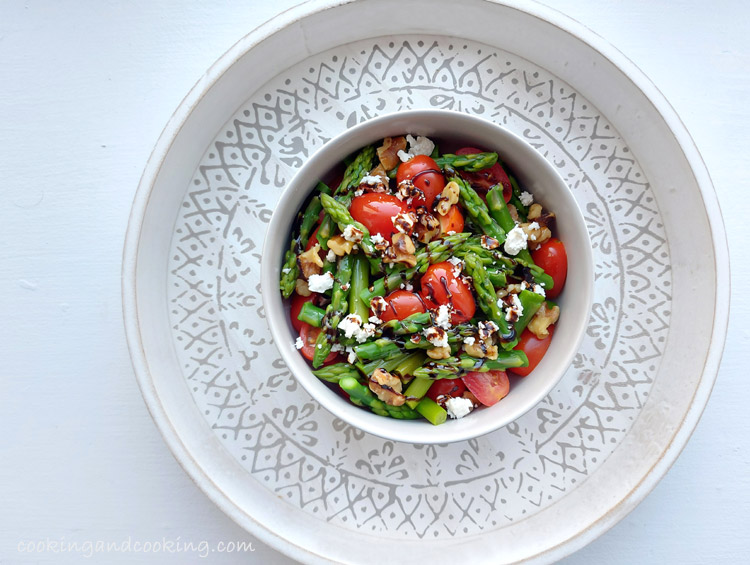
513,213
310,261
489,242
378,306
402,250
439,352
301,287
404,222
543,319
388,152
340,246
535,210
447,198
386,387
427,226
536,234
481,349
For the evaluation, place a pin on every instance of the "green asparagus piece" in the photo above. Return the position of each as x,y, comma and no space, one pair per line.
498,278
334,373
379,349
432,411
486,296
334,311
389,363
499,211
416,390
358,168
515,197
311,314
289,271
410,325
362,393
409,364
454,367
531,302
477,210
340,214
359,283
470,163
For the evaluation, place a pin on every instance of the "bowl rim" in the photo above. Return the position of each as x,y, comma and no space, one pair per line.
197,471
352,139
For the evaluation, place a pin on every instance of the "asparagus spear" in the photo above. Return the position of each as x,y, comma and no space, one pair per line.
486,296
363,394
417,388
334,373
334,311
379,349
359,283
290,270
499,211
311,314
471,163
477,211
341,216
432,411
410,325
454,367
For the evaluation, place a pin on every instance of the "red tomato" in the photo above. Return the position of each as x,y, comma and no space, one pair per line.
440,286
309,335
401,304
488,387
427,177
446,387
489,177
552,258
452,221
374,210
297,302
313,239
534,348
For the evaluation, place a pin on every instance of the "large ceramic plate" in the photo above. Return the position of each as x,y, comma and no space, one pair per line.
321,491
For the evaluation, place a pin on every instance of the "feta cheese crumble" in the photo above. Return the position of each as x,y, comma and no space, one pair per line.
320,283
526,198
352,327
375,320
331,256
352,357
458,407
458,266
514,310
417,146
299,344
470,340
377,239
403,155
372,180
352,234
515,241
443,317
436,336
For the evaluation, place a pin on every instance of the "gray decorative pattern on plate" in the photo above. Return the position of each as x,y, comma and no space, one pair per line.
303,454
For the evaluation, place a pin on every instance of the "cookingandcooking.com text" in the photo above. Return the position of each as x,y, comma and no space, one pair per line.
89,548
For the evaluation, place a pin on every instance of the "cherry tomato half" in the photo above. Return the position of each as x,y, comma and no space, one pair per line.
440,286
534,348
446,387
309,335
452,221
374,210
426,175
402,304
551,257
296,305
488,387
489,177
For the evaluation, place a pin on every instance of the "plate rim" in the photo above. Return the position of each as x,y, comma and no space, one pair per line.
548,15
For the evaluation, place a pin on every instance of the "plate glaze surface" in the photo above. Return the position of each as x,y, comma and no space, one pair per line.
298,450
282,466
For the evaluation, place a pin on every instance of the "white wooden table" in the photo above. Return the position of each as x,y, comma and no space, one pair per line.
85,89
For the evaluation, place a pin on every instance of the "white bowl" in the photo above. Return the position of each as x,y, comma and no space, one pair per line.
535,174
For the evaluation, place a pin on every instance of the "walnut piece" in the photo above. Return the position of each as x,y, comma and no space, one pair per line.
543,319
535,210
310,261
447,198
340,246
388,152
439,352
386,387
481,349
402,250
301,287
536,233
427,226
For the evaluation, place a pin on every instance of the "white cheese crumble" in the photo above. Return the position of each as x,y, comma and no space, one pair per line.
514,310
406,286
420,146
375,320
320,283
331,256
372,180
404,156
443,317
299,344
470,340
337,347
352,357
458,265
377,239
436,336
285,270
526,198
458,407
352,327
352,234
515,241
